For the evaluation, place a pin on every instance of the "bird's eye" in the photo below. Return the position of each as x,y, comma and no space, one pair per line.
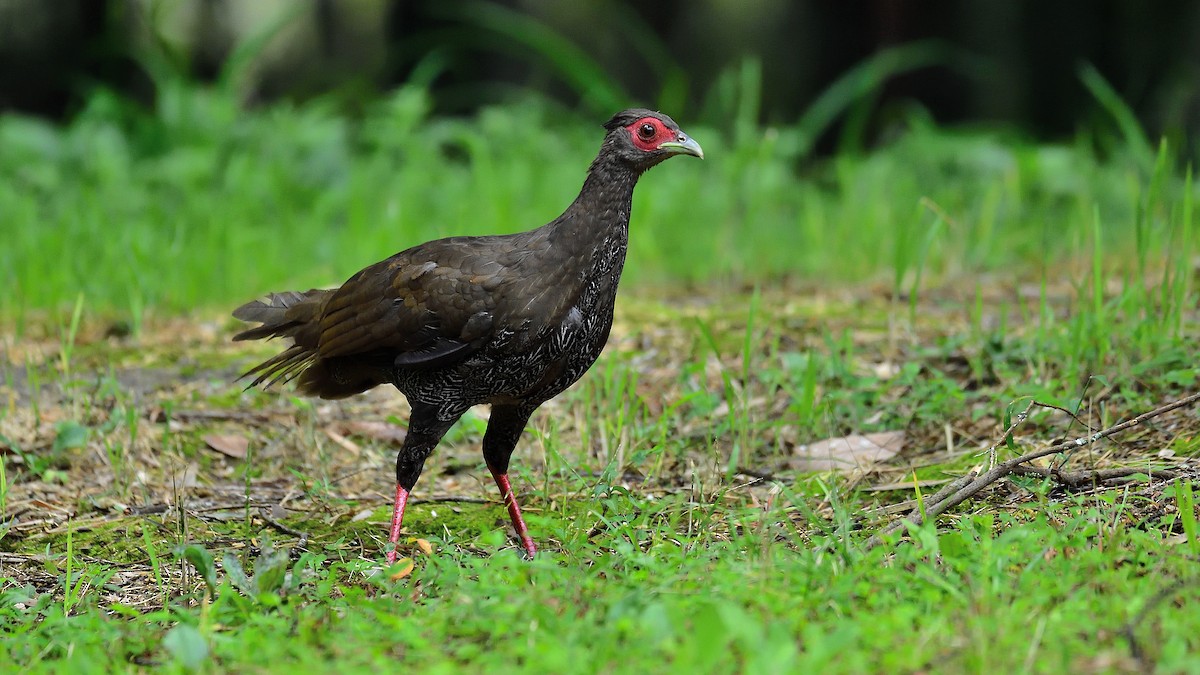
647,131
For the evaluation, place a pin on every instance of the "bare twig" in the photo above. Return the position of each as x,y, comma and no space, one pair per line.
301,537
936,508
761,474
915,514
947,490
265,514
1070,414
1087,478
22,558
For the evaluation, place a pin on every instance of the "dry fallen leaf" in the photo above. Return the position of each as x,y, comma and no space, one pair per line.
406,567
847,453
379,431
346,443
424,545
230,445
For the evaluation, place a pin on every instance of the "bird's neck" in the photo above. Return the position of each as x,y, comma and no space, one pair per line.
601,211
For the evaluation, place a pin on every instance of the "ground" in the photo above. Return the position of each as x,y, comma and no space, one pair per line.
716,440
797,454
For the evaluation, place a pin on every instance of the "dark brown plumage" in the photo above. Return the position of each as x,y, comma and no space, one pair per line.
508,320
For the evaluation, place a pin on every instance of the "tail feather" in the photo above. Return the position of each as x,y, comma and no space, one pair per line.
290,314
280,368
297,316
281,314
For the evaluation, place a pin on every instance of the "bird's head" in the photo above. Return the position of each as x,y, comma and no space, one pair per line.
643,138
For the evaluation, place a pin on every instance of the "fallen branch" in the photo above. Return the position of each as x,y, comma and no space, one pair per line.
950,488
1088,478
265,514
943,503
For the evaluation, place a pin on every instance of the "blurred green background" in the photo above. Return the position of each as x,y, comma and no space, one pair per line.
1011,62
180,153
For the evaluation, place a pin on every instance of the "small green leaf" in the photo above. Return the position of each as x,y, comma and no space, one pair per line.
20,594
1007,424
237,575
202,560
187,645
270,569
68,435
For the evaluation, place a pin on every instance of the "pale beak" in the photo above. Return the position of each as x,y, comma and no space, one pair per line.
683,145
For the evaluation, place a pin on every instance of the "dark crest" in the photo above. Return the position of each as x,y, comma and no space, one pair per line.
627,117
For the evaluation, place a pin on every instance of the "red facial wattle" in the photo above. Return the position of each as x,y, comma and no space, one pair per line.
645,141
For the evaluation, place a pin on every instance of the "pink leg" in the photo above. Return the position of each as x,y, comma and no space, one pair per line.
397,519
514,512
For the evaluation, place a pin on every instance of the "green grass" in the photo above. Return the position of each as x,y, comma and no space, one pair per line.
931,286
205,204
967,599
